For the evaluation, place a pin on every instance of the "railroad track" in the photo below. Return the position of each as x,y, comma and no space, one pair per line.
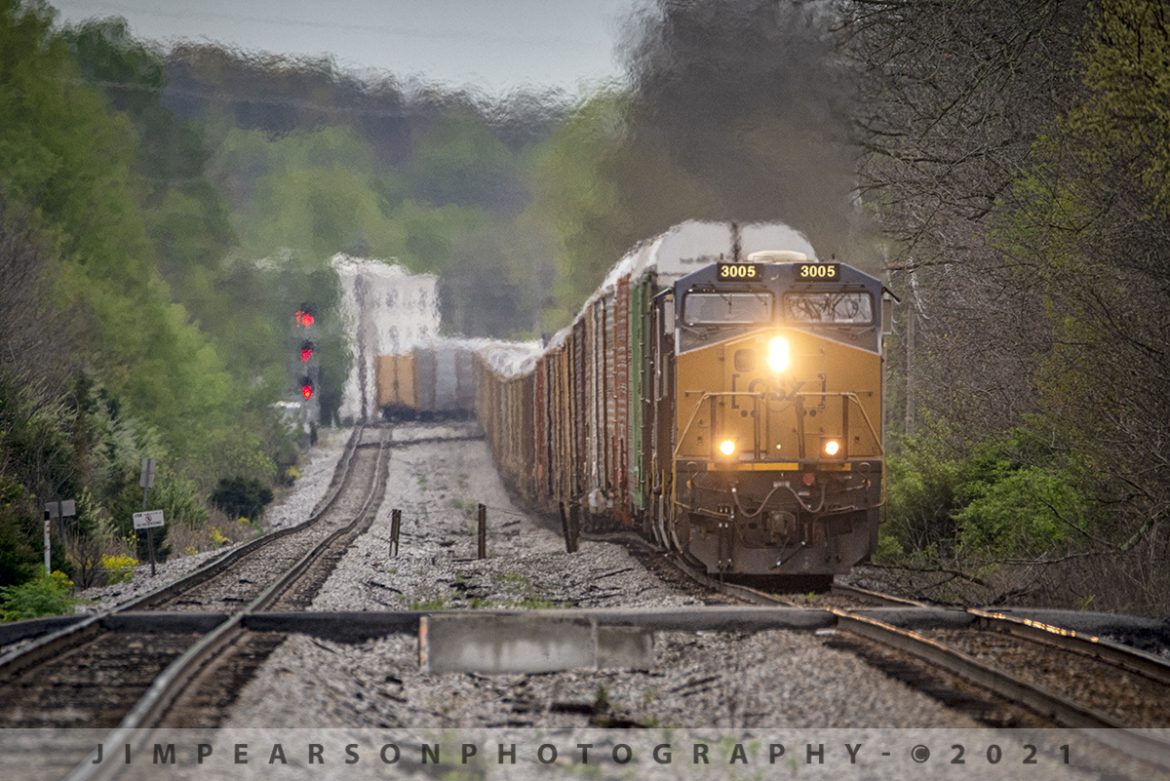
840,594
1067,678
91,675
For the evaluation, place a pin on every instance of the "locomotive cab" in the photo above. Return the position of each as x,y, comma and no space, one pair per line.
776,449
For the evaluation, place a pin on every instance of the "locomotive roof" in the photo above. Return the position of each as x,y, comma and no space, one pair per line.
689,247
693,244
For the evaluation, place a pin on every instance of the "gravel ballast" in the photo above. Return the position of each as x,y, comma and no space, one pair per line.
438,487
697,679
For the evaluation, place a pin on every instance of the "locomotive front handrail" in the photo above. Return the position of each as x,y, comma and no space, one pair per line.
757,395
852,396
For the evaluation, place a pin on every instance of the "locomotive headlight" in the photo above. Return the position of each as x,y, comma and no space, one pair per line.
832,447
727,447
778,354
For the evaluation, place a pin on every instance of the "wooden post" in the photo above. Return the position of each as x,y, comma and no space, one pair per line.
565,529
574,525
482,532
149,532
395,528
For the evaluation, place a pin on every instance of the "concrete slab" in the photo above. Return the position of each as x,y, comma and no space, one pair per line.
35,627
702,618
625,648
503,644
345,627
162,622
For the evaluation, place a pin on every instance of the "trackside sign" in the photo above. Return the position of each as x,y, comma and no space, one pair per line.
151,519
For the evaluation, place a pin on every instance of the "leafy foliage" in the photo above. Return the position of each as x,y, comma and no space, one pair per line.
1010,496
47,595
1018,154
241,497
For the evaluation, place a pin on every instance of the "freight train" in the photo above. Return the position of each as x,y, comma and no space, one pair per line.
726,404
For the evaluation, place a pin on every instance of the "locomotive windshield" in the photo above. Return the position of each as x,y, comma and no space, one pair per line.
727,308
843,308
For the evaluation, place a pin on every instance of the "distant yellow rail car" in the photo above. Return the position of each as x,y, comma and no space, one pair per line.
435,380
396,377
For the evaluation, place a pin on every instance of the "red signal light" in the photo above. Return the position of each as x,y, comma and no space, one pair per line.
306,351
307,390
305,317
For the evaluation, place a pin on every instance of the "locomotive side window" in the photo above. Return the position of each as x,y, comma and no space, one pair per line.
727,308
844,308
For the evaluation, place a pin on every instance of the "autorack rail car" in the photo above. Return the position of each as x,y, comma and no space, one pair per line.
727,408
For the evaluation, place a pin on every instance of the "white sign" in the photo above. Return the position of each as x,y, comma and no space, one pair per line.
151,519
68,508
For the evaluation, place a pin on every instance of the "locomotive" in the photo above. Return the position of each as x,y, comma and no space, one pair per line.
721,393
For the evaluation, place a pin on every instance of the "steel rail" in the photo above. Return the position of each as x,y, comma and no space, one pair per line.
1132,660
222,563
1142,745
746,593
52,643
173,681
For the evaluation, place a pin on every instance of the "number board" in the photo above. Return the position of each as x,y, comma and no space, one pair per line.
818,272
740,271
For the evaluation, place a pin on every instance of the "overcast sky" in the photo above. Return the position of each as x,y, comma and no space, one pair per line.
495,45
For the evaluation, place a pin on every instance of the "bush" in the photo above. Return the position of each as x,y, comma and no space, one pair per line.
923,474
119,569
241,497
48,595
1026,511
1013,495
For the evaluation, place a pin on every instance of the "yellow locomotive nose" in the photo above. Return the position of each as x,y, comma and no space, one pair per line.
779,357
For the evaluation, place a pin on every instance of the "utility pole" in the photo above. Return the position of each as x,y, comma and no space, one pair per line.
908,425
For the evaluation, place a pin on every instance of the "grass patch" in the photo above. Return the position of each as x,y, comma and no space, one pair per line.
535,603
516,579
438,603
